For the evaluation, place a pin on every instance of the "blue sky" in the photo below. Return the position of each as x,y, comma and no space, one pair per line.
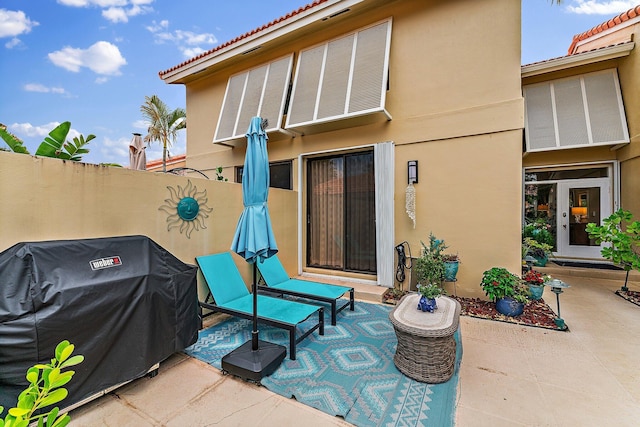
92,62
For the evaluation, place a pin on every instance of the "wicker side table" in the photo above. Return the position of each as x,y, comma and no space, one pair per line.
426,348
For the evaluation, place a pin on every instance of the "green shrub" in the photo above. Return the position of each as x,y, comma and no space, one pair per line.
45,389
624,243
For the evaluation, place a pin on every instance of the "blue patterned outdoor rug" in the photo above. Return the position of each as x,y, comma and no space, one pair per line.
348,372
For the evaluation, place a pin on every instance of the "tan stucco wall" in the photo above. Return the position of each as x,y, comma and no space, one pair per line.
629,156
49,199
469,196
456,102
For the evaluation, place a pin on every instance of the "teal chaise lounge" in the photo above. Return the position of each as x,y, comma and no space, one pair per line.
276,279
231,296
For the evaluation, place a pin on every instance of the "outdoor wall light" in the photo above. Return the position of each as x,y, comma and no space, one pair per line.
412,171
556,287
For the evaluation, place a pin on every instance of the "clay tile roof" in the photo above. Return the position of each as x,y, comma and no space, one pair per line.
575,54
173,159
245,35
624,16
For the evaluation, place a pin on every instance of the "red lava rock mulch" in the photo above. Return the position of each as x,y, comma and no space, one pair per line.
536,313
631,296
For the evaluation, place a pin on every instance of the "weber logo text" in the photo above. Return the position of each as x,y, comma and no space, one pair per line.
99,264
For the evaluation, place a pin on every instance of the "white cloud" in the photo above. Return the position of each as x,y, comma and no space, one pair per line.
98,3
114,150
597,7
101,80
188,42
13,43
115,15
121,14
158,26
14,22
140,124
31,131
191,52
114,10
28,130
102,58
37,87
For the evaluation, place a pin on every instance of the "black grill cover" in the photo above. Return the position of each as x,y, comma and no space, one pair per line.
124,302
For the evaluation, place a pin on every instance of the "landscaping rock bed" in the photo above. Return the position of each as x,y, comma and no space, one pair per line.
536,313
631,296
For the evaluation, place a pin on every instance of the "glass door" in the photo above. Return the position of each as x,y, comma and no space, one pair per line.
579,203
341,222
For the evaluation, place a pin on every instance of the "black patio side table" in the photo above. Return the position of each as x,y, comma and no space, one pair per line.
426,348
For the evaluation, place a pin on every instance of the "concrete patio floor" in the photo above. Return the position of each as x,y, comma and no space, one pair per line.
510,375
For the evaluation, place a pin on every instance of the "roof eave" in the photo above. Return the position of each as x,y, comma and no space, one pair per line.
577,60
254,41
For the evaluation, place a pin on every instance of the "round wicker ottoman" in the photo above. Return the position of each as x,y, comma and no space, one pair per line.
426,348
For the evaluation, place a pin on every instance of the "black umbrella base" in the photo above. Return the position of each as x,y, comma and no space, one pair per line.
251,364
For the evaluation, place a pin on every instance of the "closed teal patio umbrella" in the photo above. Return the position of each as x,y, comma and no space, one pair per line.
254,241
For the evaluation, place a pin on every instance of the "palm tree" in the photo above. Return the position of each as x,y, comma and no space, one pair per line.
163,124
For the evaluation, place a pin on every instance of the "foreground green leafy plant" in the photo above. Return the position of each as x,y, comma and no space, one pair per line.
430,291
45,389
54,145
625,243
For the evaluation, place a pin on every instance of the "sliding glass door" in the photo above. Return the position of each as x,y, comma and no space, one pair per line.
341,228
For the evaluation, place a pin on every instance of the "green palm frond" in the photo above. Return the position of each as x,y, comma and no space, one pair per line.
15,143
52,144
163,123
73,150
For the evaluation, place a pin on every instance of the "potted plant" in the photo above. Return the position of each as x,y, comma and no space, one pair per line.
451,264
505,289
429,293
540,251
430,266
540,231
535,281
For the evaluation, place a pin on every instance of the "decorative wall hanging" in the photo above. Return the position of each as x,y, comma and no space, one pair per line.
186,208
410,204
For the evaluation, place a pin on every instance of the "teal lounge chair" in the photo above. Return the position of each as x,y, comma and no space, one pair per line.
231,296
276,279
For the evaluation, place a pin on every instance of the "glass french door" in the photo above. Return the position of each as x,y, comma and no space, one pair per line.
579,203
341,228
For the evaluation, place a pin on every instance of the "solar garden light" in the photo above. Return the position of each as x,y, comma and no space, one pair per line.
557,287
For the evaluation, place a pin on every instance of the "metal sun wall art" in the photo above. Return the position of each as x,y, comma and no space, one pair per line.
187,208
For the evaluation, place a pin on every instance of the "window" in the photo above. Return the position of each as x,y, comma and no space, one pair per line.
262,92
574,112
279,175
343,78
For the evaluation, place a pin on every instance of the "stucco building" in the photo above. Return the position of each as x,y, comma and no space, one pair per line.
353,91
356,91
582,134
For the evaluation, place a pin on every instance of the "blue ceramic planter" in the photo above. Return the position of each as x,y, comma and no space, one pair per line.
509,307
541,261
535,291
427,304
450,270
